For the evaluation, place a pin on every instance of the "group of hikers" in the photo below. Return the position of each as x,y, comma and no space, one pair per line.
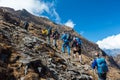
66,39
99,61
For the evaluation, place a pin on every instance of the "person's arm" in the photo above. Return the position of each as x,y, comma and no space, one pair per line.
94,64
62,37
73,42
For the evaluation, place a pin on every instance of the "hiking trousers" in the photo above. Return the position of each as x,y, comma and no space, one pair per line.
48,39
102,76
54,43
64,45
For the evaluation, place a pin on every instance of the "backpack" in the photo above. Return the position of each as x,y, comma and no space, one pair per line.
56,35
64,38
101,65
68,36
78,40
26,25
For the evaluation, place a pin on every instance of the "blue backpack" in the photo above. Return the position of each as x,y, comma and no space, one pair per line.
68,36
78,41
55,35
65,38
101,65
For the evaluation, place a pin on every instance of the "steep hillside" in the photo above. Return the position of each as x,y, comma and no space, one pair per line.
117,59
115,54
25,54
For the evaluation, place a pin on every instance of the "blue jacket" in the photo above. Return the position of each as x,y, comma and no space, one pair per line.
64,38
101,65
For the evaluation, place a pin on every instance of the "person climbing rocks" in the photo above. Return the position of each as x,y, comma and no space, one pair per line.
100,64
49,33
55,37
44,32
26,25
66,40
76,45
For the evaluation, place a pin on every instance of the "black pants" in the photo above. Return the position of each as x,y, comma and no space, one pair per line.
102,76
78,50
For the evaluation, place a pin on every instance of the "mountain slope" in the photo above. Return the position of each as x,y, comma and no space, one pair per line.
112,52
117,59
26,55
115,54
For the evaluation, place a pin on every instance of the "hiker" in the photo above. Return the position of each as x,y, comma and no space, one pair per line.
26,25
55,37
49,33
100,63
66,40
76,45
44,32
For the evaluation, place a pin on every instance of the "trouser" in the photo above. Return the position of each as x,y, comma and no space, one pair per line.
66,46
102,76
54,42
26,28
79,51
48,39
75,50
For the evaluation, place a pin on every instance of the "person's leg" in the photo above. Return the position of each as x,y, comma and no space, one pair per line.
54,42
26,68
80,56
104,76
74,53
63,47
101,76
48,39
68,49
26,27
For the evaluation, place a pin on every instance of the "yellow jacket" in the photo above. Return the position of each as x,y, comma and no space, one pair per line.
45,32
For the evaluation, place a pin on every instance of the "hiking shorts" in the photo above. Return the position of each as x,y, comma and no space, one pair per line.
78,50
102,76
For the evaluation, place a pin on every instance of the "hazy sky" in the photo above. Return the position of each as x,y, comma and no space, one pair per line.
96,20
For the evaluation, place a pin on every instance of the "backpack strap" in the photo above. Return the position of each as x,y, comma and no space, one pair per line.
56,35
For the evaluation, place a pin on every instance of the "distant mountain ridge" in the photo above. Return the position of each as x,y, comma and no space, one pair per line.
115,53
112,52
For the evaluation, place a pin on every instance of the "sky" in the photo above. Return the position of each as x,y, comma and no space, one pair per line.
96,20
